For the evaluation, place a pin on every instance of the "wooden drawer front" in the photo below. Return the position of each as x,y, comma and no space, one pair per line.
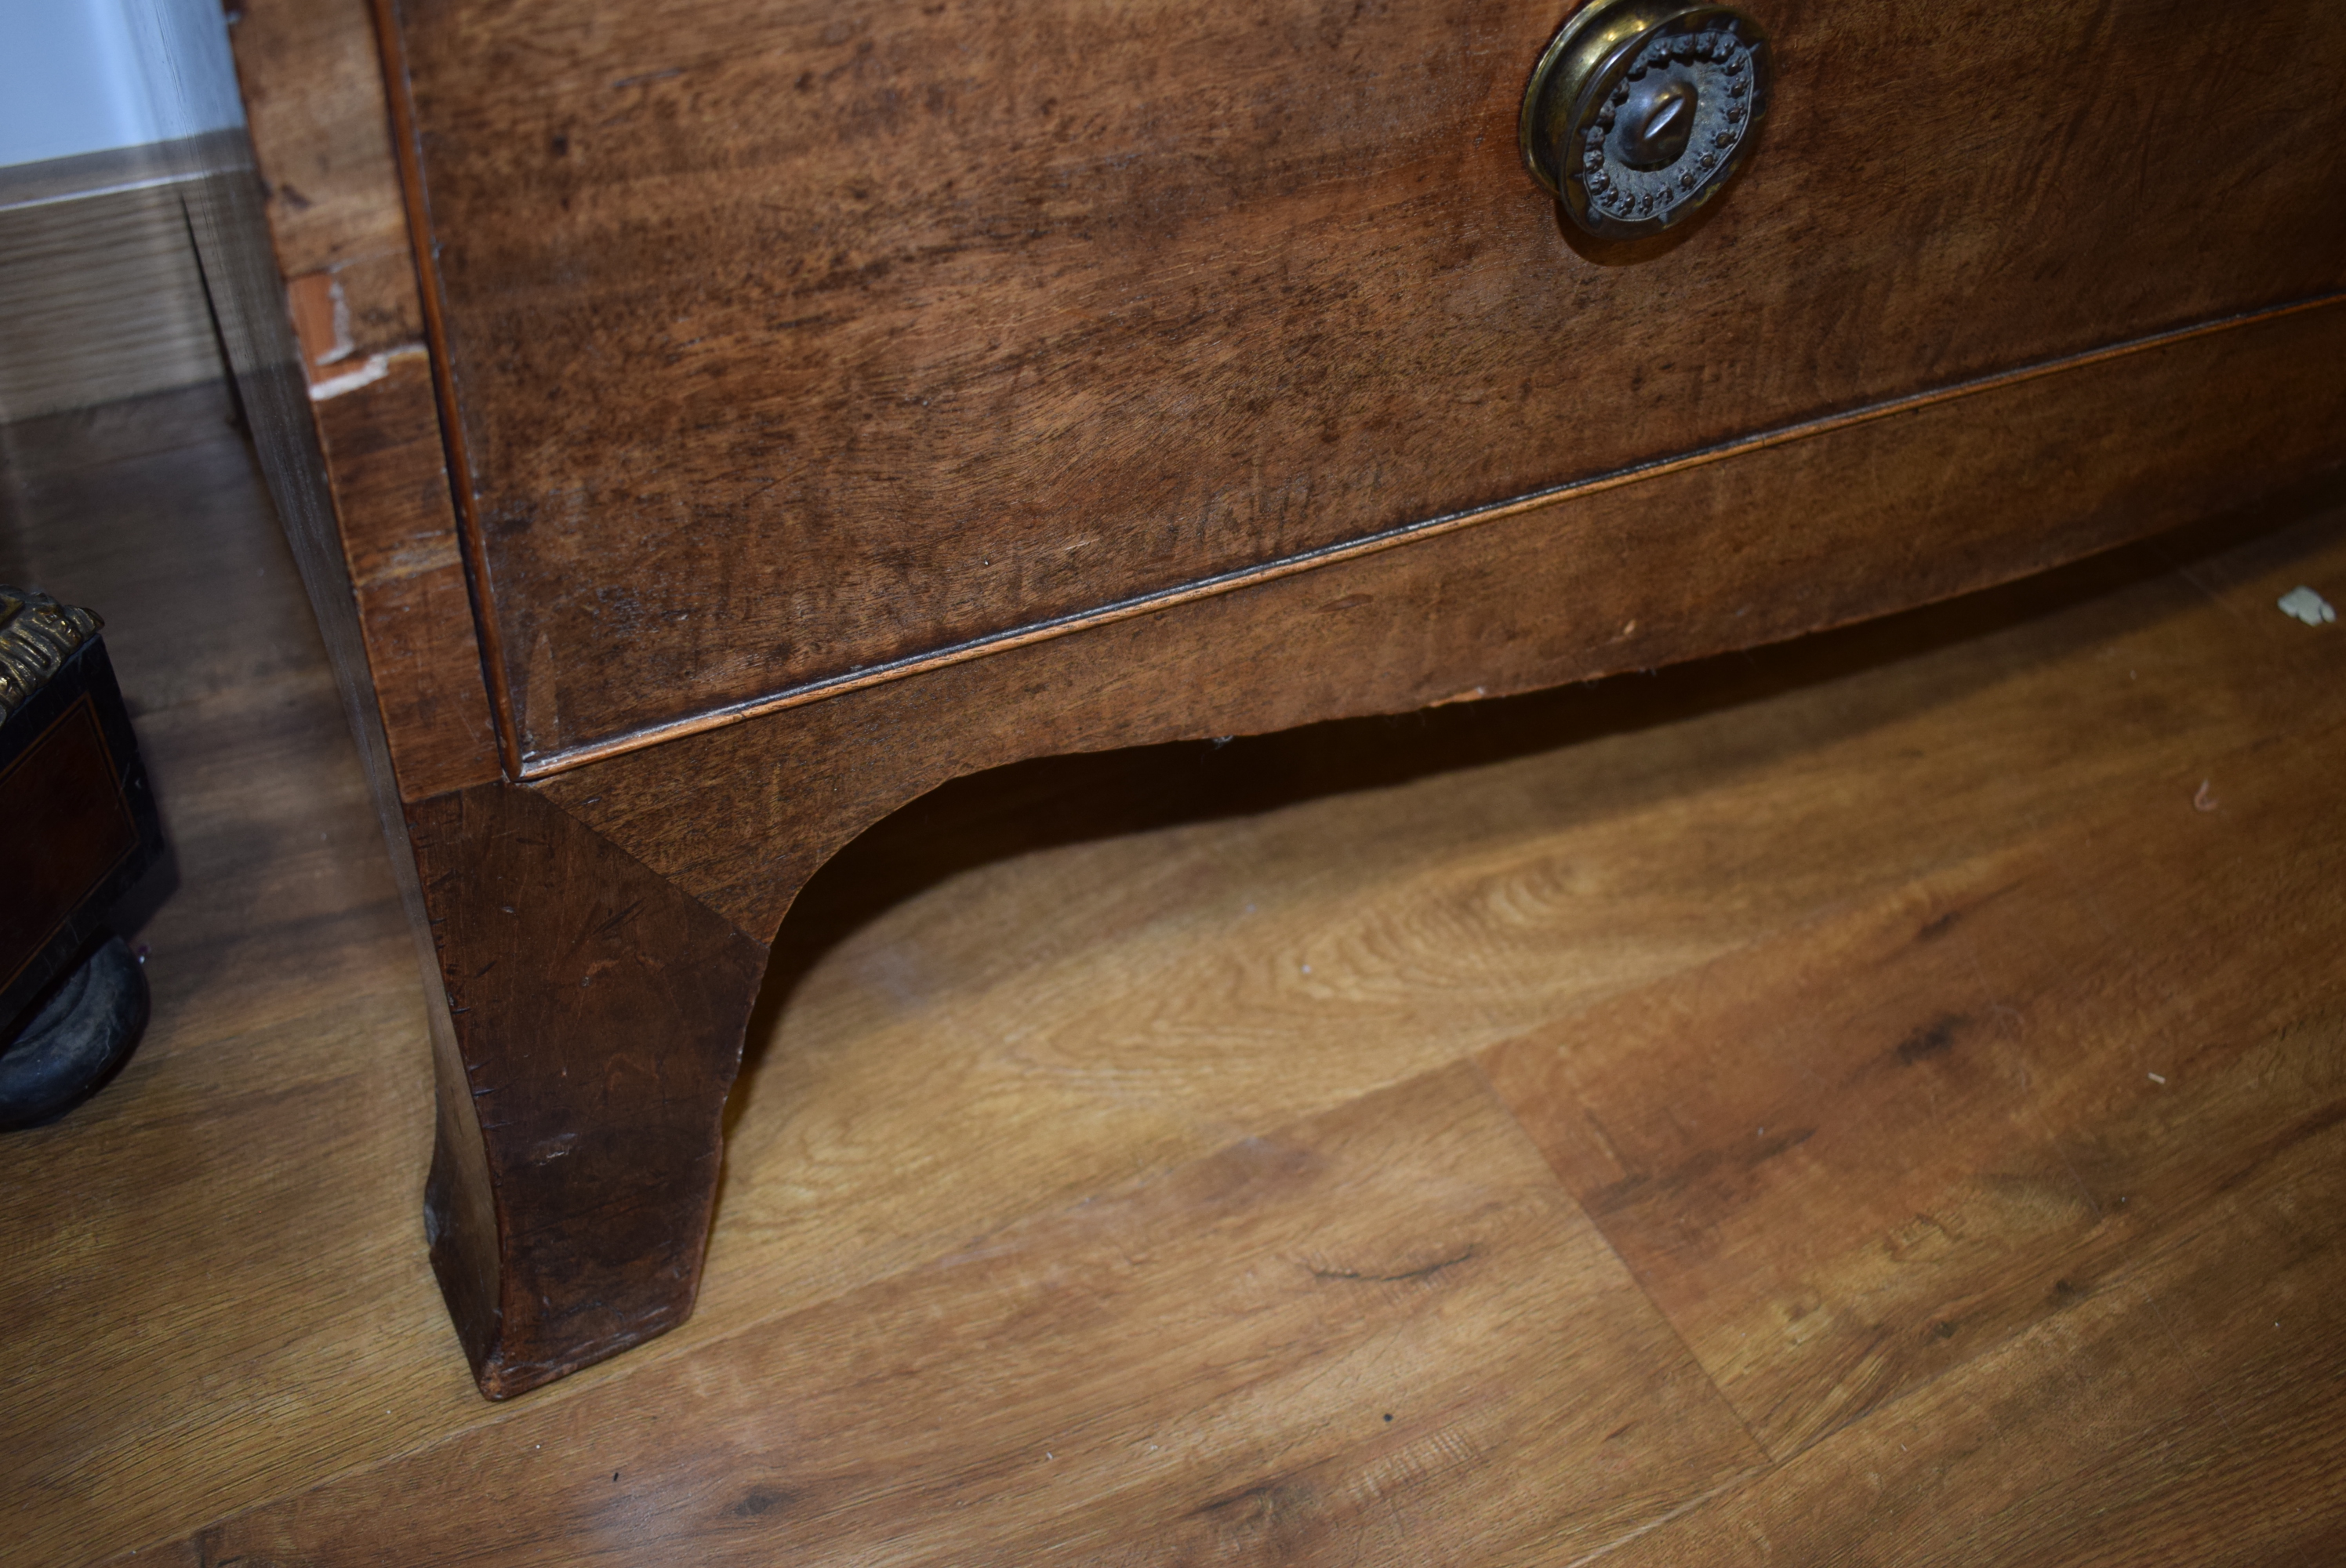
791,339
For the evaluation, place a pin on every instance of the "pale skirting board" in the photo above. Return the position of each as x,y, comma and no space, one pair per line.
101,296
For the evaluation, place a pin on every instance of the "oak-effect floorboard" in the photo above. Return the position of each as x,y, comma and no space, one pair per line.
1067,1077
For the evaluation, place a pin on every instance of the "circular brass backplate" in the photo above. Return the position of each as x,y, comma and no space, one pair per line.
1639,111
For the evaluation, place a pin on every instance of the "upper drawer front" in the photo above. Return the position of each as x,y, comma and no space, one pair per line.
792,338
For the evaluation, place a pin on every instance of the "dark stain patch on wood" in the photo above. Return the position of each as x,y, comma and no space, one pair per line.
1426,1272
1934,1039
1768,1146
1265,1502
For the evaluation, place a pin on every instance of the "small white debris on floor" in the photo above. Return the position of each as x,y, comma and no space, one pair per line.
2307,605
2158,1077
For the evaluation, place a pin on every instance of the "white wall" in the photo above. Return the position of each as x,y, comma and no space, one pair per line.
83,75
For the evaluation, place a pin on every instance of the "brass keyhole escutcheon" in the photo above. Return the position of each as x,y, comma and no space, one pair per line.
1639,111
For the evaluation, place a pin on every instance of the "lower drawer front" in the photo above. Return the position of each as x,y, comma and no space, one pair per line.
2228,429
788,339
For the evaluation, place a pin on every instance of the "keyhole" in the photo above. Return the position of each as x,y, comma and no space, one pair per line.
1655,122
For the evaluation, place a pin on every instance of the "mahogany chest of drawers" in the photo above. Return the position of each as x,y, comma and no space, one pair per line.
716,423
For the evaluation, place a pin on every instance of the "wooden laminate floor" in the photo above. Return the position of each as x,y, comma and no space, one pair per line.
1879,1100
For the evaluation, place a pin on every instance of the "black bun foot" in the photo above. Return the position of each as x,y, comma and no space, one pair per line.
78,1035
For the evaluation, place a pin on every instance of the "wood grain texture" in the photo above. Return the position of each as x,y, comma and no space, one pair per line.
569,1223
2141,1022
100,299
311,80
1943,499
248,1184
313,100
275,401
2141,1423
598,1017
152,512
1082,1372
789,343
1072,980
383,454
337,226
2135,1059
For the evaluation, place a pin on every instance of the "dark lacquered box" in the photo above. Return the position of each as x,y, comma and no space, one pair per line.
77,821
